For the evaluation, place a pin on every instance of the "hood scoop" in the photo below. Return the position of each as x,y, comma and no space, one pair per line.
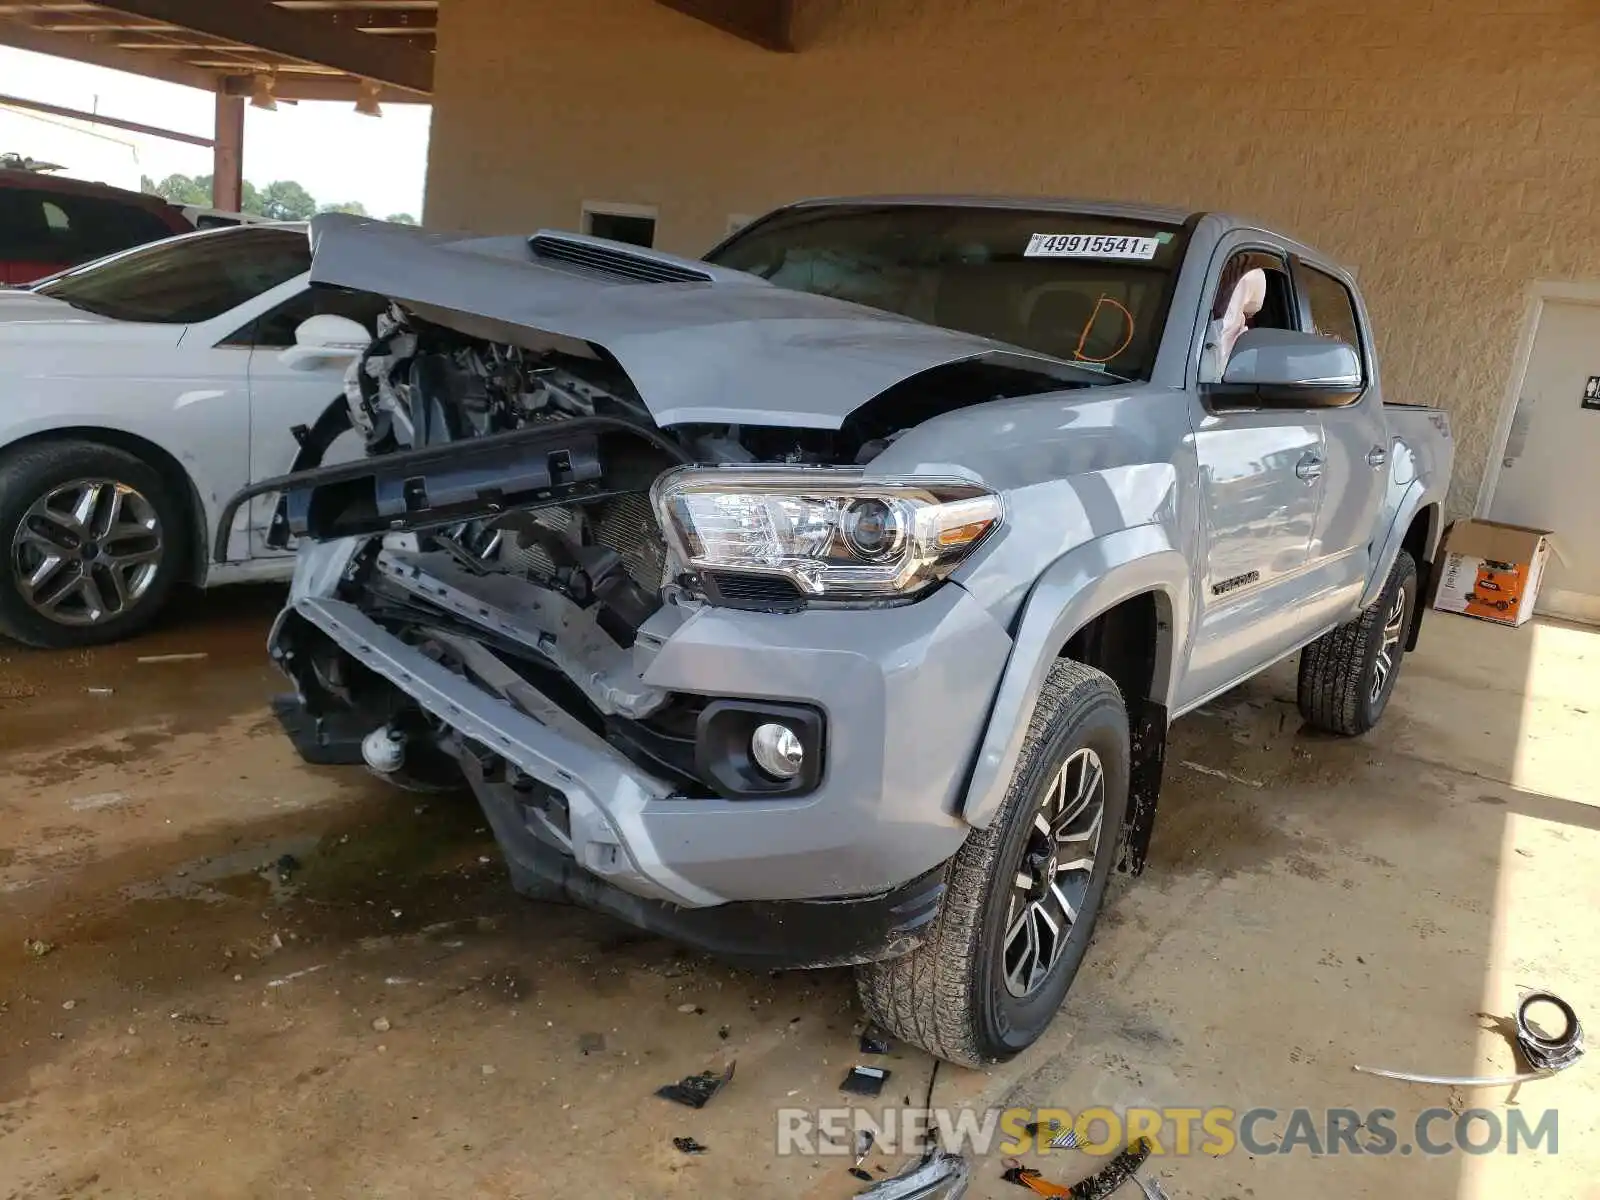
605,260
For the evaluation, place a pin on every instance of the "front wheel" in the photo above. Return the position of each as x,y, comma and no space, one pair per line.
1348,674
93,541
1022,894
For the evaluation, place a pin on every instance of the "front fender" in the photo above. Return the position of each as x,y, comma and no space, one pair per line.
1076,588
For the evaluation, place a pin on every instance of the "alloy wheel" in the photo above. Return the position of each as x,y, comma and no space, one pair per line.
1052,880
1388,652
86,551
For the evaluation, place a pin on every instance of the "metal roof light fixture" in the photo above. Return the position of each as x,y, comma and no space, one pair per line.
367,101
262,88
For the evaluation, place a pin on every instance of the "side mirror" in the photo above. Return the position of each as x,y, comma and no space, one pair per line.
1286,368
325,339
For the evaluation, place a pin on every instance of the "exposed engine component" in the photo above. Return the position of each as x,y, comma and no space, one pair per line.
420,385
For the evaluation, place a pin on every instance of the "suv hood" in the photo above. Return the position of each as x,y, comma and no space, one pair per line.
701,344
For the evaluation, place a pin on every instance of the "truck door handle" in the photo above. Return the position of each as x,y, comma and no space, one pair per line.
1377,456
1309,468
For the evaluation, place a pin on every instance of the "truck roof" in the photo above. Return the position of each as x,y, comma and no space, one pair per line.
1107,208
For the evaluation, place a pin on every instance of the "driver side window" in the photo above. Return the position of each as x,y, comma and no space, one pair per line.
1253,292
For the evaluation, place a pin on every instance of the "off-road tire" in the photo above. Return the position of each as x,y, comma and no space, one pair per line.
29,472
948,996
1338,670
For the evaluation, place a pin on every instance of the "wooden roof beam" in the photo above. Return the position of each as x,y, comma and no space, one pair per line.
263,25
767,23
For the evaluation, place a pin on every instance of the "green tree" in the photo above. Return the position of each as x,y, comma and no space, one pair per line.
401,219
183,189
353,207
286,200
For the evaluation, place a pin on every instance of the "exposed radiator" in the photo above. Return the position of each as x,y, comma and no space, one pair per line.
625,523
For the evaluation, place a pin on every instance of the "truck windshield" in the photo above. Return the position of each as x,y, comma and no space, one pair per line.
1092,290
185,279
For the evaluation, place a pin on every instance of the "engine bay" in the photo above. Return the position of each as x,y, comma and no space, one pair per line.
504,506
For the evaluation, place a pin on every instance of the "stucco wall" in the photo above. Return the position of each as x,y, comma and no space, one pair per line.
1449,153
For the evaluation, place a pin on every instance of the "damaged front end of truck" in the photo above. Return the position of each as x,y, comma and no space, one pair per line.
619,556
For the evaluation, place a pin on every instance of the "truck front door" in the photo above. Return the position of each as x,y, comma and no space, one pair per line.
1260,485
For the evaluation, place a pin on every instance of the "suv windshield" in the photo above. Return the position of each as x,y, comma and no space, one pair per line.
1092,290
186,279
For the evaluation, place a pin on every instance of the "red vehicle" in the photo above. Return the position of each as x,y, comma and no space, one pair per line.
48,224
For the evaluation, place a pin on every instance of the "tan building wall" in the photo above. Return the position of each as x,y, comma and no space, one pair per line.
1449,153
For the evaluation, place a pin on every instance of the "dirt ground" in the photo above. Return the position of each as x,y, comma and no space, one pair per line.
226,974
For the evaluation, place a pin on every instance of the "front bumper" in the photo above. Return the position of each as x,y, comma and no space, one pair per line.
904,691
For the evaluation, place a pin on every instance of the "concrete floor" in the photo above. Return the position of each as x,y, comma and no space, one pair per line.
390,1021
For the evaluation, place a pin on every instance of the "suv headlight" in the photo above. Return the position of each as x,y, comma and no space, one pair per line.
828,531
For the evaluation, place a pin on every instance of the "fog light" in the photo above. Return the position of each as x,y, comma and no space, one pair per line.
777,750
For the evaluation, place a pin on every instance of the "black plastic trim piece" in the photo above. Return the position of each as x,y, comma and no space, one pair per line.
616,264
753,593
722,748
479,477
1233,397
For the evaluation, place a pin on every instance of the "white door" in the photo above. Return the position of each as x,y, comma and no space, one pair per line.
283,397
1552,455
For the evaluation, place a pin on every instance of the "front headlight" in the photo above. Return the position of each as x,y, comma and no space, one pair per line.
828,531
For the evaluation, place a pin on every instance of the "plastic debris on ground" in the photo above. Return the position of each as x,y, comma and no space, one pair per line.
1545,1053
1099,1185
865,1081
937,1175
1061,1136
864,1142
591,1043
37,947
171,658
694,1091
688,1145
874,1041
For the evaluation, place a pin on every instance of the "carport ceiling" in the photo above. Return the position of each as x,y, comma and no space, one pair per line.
311,49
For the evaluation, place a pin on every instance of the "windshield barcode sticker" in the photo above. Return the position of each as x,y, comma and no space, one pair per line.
1091,245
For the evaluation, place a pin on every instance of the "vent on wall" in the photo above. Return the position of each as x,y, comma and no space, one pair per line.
612,263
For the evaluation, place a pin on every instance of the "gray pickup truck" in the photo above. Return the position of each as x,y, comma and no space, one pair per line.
826,601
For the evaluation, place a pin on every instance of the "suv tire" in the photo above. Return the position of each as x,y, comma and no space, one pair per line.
40,486
1348,674
970,993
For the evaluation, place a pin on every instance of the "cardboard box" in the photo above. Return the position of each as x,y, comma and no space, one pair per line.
1491,571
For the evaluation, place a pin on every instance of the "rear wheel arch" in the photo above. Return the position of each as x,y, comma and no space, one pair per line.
162,461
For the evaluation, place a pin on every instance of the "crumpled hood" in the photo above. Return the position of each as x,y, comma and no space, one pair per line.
707,345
